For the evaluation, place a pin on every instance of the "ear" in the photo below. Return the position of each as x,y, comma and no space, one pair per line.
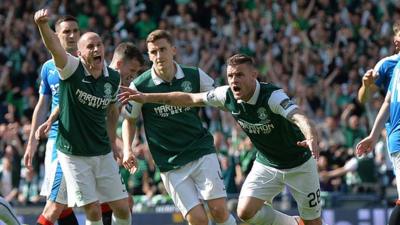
255,73
79,53
119,64
174,50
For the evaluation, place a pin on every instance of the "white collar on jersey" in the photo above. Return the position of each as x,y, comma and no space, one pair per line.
105,71
253,99
157,80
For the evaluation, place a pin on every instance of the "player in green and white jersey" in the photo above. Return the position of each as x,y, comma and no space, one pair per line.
127,61
181,147
87,96
284,137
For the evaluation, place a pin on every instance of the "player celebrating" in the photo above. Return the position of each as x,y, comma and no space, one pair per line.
54,186
181,147
284,137
87,92
127,60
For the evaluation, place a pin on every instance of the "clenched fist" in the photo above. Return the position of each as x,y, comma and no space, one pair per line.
42,16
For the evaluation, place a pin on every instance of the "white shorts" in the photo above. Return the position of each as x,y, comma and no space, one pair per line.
54,186
200,179
91,179
264,182
395,157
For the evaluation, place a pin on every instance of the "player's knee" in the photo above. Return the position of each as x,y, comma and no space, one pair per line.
121,208
219,213
245,213
123,212
197,216
198,220
93,211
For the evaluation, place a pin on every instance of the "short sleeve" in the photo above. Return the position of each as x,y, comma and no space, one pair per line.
70,67
280,103
44,88
132,109
206,82
216,97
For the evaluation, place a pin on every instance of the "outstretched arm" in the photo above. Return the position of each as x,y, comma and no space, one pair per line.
308,129
171,98
49,38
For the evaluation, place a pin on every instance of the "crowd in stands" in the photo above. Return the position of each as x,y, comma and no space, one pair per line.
316,50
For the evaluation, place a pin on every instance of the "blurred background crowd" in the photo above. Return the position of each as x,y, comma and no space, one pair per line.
316,50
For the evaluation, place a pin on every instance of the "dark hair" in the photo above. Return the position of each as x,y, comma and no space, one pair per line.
65,18
159,34
128,51
239,59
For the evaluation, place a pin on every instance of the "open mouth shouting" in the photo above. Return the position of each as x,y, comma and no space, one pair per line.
236,91
236,88
97,59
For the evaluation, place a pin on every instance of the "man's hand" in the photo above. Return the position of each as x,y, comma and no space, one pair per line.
312,144
128,94
368,78
42,16
365,146
43,130
129,161
29,153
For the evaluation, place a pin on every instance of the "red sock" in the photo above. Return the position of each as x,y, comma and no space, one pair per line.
105,208
65,213
43,221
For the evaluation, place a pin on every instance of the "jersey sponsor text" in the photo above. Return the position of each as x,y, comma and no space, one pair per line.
256,128
91,100
167,110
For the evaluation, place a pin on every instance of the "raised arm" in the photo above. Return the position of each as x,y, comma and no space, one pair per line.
307,127
171,98
50,39
367,88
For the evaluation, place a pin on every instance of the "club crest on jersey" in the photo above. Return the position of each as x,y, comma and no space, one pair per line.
107,89
262,113
186,86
